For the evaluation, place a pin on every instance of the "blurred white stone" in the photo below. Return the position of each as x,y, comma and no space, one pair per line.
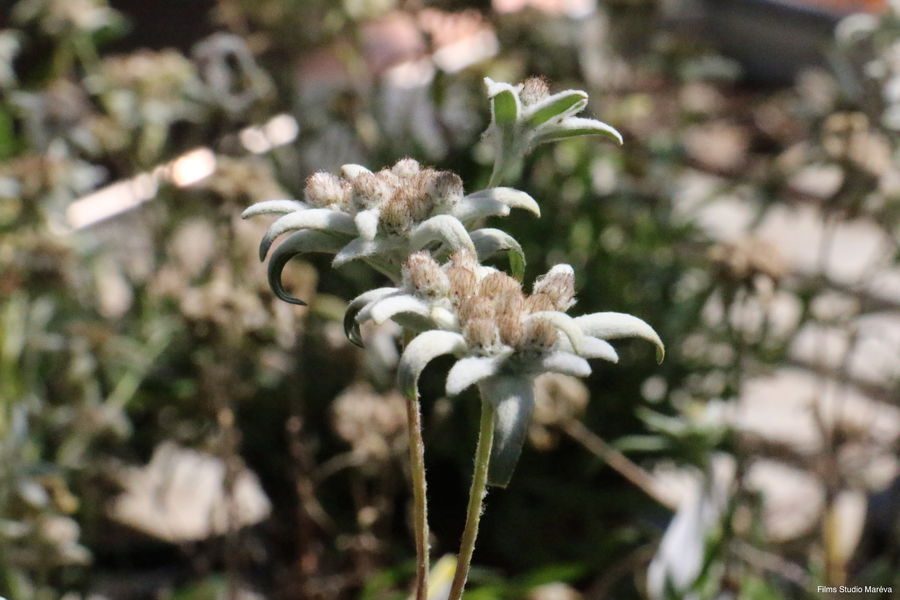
792,498
180,496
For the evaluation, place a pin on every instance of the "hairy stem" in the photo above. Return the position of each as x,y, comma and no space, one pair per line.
420,506
476,497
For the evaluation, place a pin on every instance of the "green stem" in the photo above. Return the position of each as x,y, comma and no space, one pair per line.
420,510
476,498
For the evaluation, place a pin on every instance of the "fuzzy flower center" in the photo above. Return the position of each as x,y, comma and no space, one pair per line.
403,196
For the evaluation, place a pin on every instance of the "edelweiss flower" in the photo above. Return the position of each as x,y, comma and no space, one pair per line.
383,217
526,115
503,338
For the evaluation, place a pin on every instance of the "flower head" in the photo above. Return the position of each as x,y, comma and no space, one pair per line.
384,217
526,115
503,338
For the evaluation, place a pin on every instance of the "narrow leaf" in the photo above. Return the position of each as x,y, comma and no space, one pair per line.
561,105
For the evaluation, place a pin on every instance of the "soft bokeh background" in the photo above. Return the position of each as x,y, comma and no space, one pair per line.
170,430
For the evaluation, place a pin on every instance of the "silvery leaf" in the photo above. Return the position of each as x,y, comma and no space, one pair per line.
558,106
274,207
367,223
424,348
470,209
505,104
385,309
301,242
576,127
352,171
490,242
511,197
351,327
361,248
323,219
442,228
513,400
565,363
614,325
565,324
470,370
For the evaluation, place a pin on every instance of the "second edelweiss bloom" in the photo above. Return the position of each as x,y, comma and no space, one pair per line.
383,217
503,338
527,115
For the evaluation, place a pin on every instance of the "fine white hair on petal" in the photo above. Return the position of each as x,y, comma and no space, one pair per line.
615,325
513,400
367,223
565,324
315,218
597,348
300,242
575,127
469,371
351,171
273,207
471,209
510,197
442,228
556,108
382,310
360,248
424,348
351,327
565,363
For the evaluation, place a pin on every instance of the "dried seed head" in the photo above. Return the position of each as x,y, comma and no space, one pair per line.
559,285
406,168
497,284
534,89
370,191
423,275
324,190
475,307
539,303
445,189
539,336
482,336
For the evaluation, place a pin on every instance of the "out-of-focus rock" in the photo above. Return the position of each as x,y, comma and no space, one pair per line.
181,496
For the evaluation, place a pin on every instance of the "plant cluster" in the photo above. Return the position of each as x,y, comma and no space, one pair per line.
415,225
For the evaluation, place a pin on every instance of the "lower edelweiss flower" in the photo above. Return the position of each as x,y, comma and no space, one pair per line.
383,217
503,339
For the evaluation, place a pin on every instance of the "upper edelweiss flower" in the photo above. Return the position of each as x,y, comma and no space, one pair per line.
503,337
526,115
383,217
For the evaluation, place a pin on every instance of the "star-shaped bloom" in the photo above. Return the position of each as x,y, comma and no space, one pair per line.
503,340
381,218
526,115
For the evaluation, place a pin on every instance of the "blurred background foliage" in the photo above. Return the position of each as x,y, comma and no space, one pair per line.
170,430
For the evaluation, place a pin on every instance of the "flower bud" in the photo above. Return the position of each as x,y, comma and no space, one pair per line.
482,336
539,336
475,307
423,275
370,191
558,284
534,89
539,303
406,168
498,283
445,189
324,190
463,282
